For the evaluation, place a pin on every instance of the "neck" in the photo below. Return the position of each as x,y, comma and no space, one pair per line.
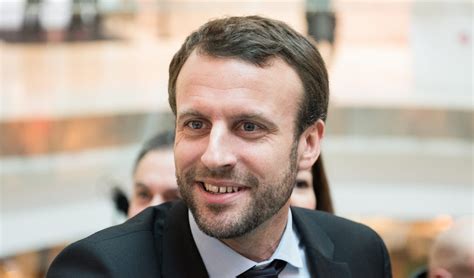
260,244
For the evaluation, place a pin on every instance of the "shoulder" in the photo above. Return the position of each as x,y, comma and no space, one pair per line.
345,241
334,226
135,229
115,251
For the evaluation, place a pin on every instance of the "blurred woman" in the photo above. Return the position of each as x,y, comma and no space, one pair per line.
312,189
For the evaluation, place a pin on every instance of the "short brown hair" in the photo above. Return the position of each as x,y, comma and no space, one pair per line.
256,40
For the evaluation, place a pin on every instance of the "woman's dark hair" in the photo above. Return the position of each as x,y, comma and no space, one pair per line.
321,187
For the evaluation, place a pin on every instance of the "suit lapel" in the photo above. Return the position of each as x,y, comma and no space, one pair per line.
319,247
180,257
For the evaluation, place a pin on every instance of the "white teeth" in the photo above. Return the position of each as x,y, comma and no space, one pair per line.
213,188
222,189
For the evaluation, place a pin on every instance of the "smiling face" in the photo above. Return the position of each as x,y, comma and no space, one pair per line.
235,150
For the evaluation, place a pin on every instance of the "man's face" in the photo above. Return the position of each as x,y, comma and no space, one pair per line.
154,181
235,151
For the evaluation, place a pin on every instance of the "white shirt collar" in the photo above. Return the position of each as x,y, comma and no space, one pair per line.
221,261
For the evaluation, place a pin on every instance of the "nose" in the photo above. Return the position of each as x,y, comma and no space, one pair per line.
219,151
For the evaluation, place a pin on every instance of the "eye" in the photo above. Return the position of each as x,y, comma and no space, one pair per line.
250,130
196,127
143,195
195,124
301,184
249,127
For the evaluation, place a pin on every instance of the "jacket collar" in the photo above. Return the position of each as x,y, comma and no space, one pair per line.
319,247
181,257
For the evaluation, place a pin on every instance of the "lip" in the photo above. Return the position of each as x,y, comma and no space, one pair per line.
226,198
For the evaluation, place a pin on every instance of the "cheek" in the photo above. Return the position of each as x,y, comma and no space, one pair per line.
265,160
186,153
134,209
295,198
311,201
303,198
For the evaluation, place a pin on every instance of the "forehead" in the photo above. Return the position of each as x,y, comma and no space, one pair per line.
156,171
161,160
204,79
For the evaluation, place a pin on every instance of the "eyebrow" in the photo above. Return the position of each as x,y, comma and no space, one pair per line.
259,117
142,185
189,113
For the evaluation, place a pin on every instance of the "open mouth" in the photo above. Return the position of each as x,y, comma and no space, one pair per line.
214,189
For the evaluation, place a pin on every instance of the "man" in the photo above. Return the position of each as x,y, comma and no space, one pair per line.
452,253
250,97
154,179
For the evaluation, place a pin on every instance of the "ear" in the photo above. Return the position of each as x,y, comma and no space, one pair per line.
309,146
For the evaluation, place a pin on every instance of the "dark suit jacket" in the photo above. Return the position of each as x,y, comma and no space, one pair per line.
158,243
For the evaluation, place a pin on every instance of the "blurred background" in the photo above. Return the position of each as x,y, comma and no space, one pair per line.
84,82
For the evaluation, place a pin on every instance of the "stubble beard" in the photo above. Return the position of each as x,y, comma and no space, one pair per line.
265,200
